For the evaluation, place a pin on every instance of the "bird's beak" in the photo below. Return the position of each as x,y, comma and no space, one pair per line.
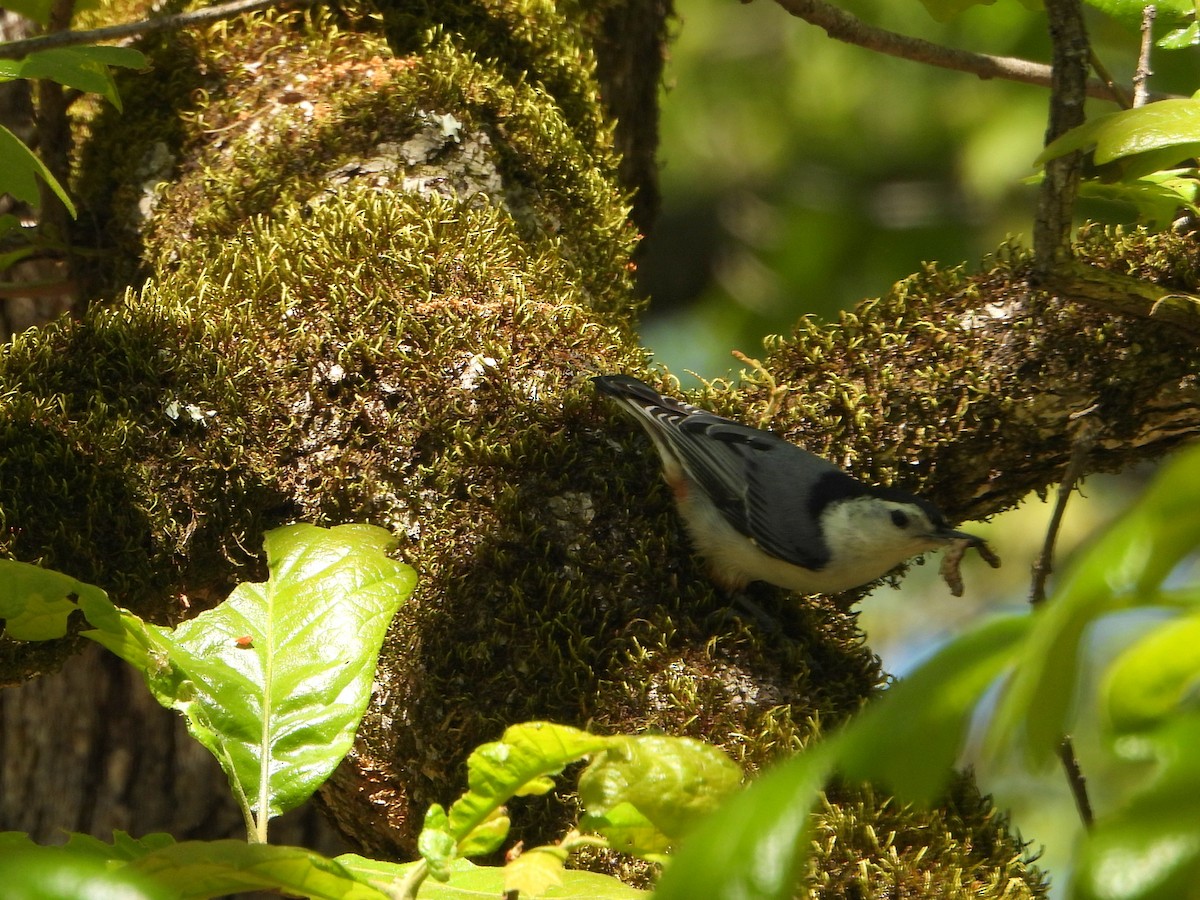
949,534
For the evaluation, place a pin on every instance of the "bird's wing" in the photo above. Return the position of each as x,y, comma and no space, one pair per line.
764,486
767,488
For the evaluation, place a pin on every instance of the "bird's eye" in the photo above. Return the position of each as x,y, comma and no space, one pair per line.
899,518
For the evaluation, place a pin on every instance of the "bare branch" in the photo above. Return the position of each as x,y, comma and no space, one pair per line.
842,26
1141,76
18,49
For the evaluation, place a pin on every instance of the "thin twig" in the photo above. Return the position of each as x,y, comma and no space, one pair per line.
843,26
18,49
1118,93
1080,452
1141,75
1044,565
1076,780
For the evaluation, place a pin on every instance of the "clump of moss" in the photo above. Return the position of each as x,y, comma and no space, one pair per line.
865,846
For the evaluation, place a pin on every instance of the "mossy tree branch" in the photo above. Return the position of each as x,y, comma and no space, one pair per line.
379,274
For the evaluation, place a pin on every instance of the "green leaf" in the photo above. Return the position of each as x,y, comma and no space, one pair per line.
196,870
18,168
1158,198
471,882
1124,568
1181,38
1155,678
519,763
658,780
535,872
57,873
1168,13
274,680
436,844
35,602
123,847
753,845
83,68
1171,128
910,739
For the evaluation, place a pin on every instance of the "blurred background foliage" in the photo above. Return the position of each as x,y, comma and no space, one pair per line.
800,176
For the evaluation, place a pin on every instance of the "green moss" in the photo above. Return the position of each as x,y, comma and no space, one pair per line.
866,846
294,107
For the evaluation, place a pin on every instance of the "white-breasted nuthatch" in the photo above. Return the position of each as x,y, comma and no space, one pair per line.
759,508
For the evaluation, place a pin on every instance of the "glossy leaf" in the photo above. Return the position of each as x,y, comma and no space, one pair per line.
660,781
35,602
1181,38
20,169
753,845
1168,125
910,739
274,680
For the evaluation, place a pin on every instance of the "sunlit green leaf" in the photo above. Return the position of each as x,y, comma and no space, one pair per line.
535,871
1181,38
20,169
471,882
436,844
1129,12
753,845
58,873
35,602
275,679
669,782
124,847
197,870
910,739
518,763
